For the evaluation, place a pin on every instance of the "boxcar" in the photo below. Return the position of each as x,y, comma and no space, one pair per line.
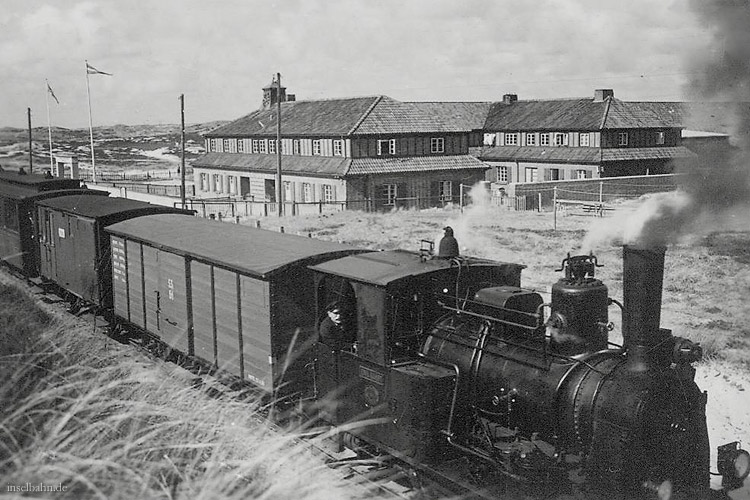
75,251
238,298
18,194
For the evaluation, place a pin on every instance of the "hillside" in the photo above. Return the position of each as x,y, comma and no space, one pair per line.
117,147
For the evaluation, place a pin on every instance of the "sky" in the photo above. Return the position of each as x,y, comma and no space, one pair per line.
220,54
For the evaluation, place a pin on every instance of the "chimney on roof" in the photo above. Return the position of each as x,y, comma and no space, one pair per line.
601,94
510,98
270,97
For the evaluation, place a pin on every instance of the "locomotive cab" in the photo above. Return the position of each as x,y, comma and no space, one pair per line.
399,401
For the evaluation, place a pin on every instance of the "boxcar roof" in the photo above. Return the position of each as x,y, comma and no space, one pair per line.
37,181
385,268
98,207
257,252
22,192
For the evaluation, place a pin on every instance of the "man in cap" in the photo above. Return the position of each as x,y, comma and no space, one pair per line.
448,247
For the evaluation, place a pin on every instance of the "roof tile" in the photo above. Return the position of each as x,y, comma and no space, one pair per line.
363,166
309,165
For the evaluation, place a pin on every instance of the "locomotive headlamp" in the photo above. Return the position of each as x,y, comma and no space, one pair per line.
734,465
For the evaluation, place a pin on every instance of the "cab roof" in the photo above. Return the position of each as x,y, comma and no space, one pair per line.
386,268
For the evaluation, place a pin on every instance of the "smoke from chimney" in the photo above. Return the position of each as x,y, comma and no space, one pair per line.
712,194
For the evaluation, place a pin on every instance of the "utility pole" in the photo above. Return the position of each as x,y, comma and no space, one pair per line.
31,161
182,150
279,202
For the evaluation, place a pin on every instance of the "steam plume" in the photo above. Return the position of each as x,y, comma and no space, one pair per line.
713,192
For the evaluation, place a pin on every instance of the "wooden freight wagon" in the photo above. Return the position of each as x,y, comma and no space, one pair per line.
75,251
238,298
18,195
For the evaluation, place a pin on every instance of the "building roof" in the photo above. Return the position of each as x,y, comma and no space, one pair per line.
256,252
328,166
538,154
364,166
325,117
659,153
583,114
358,115
593,156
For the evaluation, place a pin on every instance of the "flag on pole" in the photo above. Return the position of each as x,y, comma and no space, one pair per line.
93,71
52,93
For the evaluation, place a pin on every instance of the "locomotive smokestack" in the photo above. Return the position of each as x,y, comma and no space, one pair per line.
643,274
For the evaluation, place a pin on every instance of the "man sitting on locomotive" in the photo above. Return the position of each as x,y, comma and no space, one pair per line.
336,328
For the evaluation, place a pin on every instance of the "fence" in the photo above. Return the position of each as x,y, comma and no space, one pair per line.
231,208
543,195
169,190
151,175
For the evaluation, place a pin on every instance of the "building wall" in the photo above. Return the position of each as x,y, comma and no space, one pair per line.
641,138
261,186
569,139
453,144
506,172
357,147
299,146
418,190
636,138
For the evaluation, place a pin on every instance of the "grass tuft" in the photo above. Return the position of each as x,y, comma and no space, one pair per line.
103,421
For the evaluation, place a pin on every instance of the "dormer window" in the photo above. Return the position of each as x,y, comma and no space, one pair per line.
544,139
240,146
511,139
386,147
660,136
561,139
437,145
622,139
256,146
338,147
530,139
583,139
316,147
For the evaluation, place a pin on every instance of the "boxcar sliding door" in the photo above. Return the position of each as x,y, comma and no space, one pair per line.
164,290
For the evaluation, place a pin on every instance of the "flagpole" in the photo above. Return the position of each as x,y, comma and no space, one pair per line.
91,126
49,131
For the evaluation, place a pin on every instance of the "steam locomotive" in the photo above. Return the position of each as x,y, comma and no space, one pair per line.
449,364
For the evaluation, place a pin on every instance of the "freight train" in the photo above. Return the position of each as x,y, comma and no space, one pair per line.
447,364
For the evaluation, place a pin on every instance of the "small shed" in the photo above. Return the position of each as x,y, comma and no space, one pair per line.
74,251
233,296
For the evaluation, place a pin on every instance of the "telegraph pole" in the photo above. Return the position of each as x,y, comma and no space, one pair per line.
31,161
279,202
182,150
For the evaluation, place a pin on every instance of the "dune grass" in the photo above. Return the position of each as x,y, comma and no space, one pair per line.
100,420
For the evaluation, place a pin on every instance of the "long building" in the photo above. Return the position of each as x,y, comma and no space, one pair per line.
370,152
378,152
